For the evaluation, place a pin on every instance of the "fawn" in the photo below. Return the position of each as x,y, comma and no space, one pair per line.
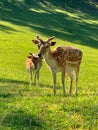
34,64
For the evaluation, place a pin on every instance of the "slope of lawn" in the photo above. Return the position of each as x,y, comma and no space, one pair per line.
24,107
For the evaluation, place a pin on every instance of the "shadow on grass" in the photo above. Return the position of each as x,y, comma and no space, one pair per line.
6,29
46,85
4,80
19,82
21,120
6,95
47,21
11,88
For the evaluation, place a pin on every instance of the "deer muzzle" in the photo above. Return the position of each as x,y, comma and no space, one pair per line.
40,55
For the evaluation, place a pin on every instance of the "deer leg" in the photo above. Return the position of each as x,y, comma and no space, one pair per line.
54,81
37,77
34,77
71,81
30,77
77,75
63,82
76,91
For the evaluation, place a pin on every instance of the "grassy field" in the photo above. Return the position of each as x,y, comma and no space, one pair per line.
24,107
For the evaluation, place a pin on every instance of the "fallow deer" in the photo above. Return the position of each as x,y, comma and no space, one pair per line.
64,59
34,64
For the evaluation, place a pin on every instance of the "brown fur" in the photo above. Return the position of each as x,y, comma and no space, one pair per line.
67,53
34,64
64,59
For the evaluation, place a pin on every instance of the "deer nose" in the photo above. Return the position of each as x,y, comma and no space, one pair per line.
39,54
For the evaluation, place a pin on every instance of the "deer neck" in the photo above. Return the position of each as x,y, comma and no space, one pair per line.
51,61
48,57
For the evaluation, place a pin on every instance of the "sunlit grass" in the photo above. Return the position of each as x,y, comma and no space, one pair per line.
35,108
67,13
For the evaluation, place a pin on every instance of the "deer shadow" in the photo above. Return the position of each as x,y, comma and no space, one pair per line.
5,80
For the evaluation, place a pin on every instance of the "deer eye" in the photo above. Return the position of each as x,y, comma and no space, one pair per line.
46,46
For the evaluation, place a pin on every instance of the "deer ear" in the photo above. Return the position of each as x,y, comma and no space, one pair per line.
52,43
31,53
35,41
29,57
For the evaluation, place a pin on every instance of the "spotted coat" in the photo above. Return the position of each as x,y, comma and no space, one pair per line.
68,54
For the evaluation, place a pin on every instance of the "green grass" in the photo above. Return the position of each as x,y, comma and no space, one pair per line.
35,108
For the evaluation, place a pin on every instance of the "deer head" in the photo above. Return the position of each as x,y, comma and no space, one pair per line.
35,58
43,45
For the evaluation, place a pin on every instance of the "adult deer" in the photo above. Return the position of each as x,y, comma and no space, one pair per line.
64,59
